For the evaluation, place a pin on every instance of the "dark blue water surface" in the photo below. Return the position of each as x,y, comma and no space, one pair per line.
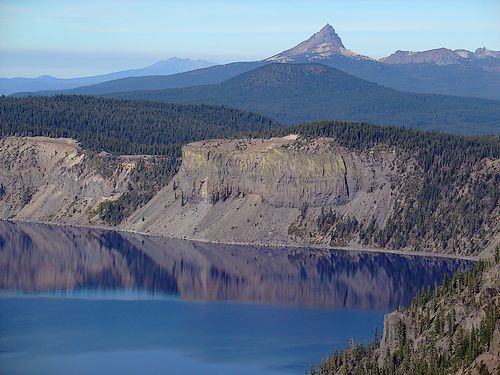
80,301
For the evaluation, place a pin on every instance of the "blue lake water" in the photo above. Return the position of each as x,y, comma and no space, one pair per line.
80,301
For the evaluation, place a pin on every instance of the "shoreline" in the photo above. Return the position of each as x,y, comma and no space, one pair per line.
274,246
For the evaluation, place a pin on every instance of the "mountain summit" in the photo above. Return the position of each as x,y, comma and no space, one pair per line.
441,56
322,45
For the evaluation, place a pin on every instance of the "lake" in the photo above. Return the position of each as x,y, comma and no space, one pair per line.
89,301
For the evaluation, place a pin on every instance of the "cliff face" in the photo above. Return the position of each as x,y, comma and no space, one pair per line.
271,191
283,172
53,180
280,191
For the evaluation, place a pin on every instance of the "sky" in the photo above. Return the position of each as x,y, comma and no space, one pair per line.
70,38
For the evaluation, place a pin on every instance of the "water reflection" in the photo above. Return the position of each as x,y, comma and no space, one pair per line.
35,257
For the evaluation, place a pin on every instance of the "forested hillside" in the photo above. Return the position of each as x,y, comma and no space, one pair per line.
454,192
294,93
124,127
454,329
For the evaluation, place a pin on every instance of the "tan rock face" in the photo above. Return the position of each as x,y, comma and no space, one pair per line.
280,191
286,175
53,180
253,190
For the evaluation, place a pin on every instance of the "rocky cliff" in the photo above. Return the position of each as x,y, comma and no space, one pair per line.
459,323
454,329
458,311
279,191
273,191
54,180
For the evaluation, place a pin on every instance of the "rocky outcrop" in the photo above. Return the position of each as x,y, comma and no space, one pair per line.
271,191
54,180
457,312
453,330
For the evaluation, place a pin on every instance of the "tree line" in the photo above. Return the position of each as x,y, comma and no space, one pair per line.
124,126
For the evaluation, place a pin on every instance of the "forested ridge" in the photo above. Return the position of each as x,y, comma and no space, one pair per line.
449,330
124,126
296,93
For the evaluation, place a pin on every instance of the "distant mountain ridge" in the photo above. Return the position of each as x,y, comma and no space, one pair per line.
441,56
294,93
326,44
172,65
476,74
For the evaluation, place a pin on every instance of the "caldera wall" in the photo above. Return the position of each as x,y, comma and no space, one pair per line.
271,191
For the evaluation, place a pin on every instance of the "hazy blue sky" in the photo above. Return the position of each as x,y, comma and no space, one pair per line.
74,38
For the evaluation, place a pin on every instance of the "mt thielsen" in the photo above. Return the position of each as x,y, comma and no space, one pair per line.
438,71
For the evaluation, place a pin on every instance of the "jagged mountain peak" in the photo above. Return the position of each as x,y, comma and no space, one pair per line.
327,35
322,45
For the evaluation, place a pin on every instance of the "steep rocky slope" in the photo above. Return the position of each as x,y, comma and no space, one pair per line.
54,180
322,45
316,191
453,330
460,319
272,191
382,189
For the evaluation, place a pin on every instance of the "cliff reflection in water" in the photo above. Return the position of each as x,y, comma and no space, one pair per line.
35,257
